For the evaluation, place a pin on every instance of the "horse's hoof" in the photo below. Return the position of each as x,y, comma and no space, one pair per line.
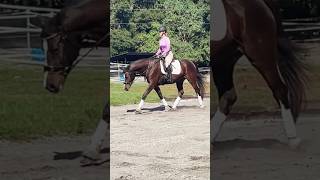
138,111
202,106
294,143
167,108
173,109
87,161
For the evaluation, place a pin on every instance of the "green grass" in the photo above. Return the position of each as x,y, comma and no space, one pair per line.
27,110
133,96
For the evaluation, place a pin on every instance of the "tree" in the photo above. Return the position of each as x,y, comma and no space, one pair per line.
187,22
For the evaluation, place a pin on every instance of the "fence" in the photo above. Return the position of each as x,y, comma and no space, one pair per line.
23,53
301,29
25,13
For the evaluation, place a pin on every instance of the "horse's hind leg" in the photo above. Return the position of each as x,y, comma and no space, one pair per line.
222,71
266,63
180,94
164,102
193,81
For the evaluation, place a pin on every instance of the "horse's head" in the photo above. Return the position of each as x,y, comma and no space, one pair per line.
129,78
61,49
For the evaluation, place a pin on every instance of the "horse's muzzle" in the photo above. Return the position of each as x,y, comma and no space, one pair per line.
127,87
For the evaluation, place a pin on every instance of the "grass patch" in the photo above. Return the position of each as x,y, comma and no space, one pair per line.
27,110
133,96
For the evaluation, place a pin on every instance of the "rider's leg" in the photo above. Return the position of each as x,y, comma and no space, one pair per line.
168,61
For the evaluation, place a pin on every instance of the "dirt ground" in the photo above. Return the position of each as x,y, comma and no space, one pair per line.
155,145
47,159
158,145
256,149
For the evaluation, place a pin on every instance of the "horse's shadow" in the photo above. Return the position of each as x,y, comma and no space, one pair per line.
162,108
74,154
229,145
159,108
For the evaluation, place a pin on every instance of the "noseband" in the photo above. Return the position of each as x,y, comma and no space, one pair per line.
128,83
68,68
65,69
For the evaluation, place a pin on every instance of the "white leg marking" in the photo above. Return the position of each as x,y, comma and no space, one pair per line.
164,102
216,124
140,104
176,102
200,101
288,122
98,138
290,127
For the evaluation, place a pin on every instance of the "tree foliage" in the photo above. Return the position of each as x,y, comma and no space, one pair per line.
135,23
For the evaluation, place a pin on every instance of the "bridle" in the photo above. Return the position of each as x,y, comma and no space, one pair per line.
135,73
129,83
66,69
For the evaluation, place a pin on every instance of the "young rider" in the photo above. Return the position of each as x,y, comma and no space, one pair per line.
165,51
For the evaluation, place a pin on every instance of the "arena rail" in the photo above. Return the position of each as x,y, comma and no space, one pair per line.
27,13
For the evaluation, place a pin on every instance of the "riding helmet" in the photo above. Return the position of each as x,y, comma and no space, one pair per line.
162,29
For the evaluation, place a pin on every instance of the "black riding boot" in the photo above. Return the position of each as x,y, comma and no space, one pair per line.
169,74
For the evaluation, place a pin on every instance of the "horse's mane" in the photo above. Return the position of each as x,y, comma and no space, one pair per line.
127,69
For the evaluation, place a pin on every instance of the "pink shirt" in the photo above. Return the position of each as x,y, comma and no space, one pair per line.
164,46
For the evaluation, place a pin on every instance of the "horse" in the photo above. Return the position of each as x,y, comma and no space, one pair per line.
151,70
253,29
63,37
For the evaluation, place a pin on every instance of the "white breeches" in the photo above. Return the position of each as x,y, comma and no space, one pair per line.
169,58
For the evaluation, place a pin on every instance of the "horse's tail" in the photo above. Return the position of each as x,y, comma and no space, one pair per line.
293,72
200,81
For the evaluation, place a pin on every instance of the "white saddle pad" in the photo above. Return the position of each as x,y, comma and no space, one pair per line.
176,67
219,20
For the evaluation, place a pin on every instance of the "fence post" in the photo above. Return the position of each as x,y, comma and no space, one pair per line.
28,30
118,70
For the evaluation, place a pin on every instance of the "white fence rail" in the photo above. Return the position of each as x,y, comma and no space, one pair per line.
309,27
26,13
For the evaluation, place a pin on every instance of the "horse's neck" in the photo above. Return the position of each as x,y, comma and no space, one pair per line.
140,67
86,16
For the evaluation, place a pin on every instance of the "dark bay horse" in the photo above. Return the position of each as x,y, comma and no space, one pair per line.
253,28
64,36
150,69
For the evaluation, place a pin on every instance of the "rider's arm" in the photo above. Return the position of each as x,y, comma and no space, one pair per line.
158,52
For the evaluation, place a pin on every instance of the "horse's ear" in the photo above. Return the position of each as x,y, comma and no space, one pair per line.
125,69
40,21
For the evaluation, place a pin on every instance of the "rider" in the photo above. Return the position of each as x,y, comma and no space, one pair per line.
165,51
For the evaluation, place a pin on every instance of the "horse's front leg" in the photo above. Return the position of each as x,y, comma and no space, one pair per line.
144,96
164,102
91,155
